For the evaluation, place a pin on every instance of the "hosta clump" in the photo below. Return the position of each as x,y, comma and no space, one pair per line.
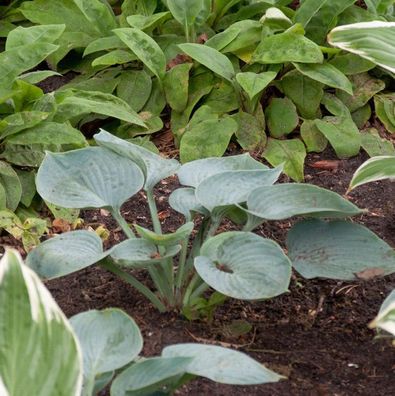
238,264
82,356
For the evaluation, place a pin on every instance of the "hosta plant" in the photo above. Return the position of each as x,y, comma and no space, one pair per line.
184,264
81,356
379,168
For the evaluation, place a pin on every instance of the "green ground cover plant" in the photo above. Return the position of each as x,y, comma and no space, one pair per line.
238,264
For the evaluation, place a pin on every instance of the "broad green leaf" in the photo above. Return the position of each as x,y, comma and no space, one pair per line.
386,317
319,16
314,140
17,122
66,253
115,57
183,200
385,110
374,144
211,58
337,250
73,103
304,92
20,59
70,215
233,187
37,76
342,134
275,19
207,139
154,167
11,184
35,34
335,106
350,64
362,116
165,239
28,184
145,48
326,74
88,178
134,88
99,14
148,22
138,253
291,153
287,47
284,200
49,133
251,131
186,11
221,365
254,83
374,169
244,265
109,339
104,44
281,117
193,173
373,41
176,86
157,100
365,87
33,324
222,98
148,376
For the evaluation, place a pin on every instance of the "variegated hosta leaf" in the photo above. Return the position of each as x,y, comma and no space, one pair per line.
244,265
374,169
183,200
90,177
109,339
374,41
154,167
38,349
140,253
386,317
222,364
66,253
337,250
193,173
233,187
166,239
287,200
148,375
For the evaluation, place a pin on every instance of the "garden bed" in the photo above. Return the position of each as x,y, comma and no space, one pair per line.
316,335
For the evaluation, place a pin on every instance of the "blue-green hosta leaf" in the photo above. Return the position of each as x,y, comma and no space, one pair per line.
386,317
374,41
34,34
33,325
148,375
92,177
287,47
374,169
109,339
193,173
145,48
222,365
337,250
138,253
183,200
253,83
166,239
244,265
11,184
154,167
287,200
211,58
66,253
233,187
326,74
74,103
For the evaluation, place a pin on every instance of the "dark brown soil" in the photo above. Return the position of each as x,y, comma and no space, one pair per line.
316,335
